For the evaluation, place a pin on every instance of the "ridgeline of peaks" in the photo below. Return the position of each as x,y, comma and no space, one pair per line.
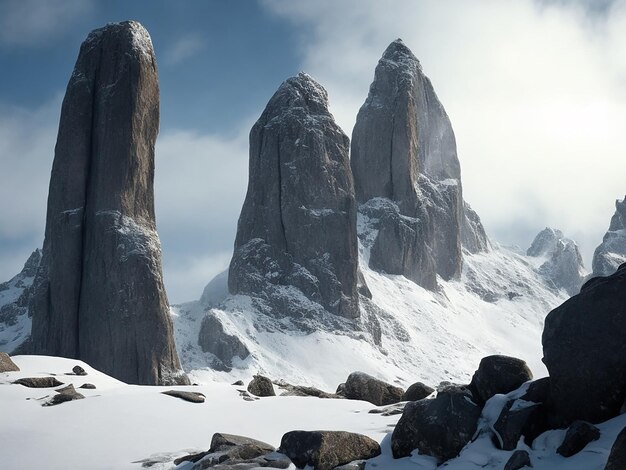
611,253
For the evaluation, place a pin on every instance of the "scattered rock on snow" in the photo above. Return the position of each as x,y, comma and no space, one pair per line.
519,459
38,382
325,450
88,386
417,391
361,386
239,383
261,387
63,395
578,435
498,374
438,427
193,397
6,364
78,370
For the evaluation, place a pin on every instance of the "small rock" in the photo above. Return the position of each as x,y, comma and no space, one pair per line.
88,386
38,382
395,409
514,421
617,457
65,394
239,383
519,459
417,391
78,370
498,374
578,435
361,386
193,397
261,387
325,450
341,389
6,364
439,427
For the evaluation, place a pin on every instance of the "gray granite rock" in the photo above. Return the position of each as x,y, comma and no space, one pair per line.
298,223
612,251
38,382
192,397
261,386
361,386
212,338
6,364
99,293
404,151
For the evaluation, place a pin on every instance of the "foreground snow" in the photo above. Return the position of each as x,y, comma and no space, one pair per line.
119,426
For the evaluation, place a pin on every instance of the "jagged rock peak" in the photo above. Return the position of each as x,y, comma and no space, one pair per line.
297,227
99,294
397,52
563,266
611,253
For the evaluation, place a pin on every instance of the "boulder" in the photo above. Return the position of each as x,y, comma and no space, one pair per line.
517,419
298,222
417,391
261,387
617,457
98,293
6,364
325,450
585,353
498,374
519,459
64,394
88,386
38,382
193,397
578,435
78,370
538,391
361,386
439,427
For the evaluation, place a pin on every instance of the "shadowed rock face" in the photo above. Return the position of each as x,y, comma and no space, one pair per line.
404,150
298,222
99,292
612,251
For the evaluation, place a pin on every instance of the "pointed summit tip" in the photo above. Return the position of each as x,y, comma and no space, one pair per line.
308,88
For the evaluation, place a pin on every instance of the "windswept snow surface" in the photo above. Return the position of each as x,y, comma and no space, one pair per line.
497,307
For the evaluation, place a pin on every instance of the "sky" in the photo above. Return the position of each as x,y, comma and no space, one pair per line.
535,90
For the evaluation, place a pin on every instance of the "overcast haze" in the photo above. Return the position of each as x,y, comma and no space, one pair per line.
535,90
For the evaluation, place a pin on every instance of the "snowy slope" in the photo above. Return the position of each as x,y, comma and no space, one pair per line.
498,306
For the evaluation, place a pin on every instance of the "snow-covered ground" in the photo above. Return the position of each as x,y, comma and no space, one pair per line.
497,307
119,426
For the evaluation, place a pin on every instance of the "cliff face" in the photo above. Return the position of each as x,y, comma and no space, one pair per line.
404,150
99,294
611,253
298,222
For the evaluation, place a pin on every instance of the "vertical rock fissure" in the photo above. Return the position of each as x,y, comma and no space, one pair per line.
280,194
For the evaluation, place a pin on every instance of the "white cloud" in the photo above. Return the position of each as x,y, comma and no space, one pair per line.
30,22
536,94
183,49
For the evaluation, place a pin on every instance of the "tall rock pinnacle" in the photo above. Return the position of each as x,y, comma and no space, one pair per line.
404,150
298,222
611,253
99,293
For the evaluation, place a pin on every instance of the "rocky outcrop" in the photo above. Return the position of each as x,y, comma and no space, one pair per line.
99,294
611,253
326,450
498,374
404,151
213,339
361,386
563,267
297,227
585,352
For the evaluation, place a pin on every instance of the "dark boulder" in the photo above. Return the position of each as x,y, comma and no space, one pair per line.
578,435
439,427
99,294
498,374
78,370
361,386
298,223
617,457
417,391
193,397
64,395
519,459
38,382
325,450
516,419
538,391
88,386
585,352
6,364
261,387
